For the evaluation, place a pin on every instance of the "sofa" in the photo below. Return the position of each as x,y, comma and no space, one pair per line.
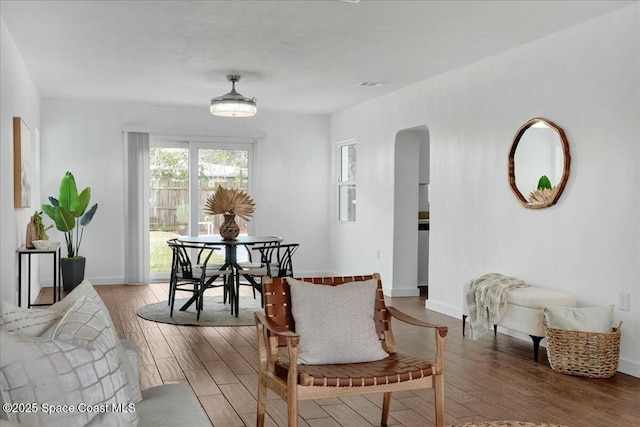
65,366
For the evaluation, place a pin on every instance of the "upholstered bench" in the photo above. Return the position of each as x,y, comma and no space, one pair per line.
525,311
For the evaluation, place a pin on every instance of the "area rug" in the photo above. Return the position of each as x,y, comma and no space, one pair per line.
507,424
215,313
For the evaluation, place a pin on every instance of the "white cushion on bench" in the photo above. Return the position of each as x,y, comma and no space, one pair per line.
534,297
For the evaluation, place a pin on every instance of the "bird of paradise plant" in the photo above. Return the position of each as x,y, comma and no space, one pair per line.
69,213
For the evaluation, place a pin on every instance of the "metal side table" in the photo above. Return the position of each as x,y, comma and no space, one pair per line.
57,279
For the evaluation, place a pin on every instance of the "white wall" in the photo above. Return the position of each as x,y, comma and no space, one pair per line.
19,98
290,190
587,80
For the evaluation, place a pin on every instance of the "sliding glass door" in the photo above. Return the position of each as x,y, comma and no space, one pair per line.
182,176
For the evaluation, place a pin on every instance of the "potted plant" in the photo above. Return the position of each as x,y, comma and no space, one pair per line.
37,233
70,215
230,202
182,218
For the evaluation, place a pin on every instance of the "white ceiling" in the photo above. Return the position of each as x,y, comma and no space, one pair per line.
305,56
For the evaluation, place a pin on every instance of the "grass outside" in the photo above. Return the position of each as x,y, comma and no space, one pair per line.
160,254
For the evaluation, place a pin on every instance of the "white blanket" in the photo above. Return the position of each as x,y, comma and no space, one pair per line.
486,299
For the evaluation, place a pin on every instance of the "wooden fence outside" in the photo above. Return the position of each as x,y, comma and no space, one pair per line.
169,206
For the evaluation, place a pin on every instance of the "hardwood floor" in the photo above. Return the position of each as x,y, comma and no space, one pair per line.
494,378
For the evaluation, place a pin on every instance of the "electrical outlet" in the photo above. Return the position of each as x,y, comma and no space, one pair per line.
623,301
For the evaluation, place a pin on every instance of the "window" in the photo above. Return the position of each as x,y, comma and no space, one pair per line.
346,167
182,175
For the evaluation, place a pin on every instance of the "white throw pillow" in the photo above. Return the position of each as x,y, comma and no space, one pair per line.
85,288
78,365
587,319
132,372
335,323
87,322
32,322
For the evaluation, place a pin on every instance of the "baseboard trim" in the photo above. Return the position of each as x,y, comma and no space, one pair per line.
625,366
402,292
629,367
438,307
93,280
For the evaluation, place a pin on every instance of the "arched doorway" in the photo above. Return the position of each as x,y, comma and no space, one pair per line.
411,186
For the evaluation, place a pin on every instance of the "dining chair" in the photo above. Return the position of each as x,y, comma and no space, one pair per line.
256,266
195,279
275,261
181,271
317,313
284,260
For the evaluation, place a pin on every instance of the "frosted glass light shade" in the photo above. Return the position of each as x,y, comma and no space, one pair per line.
233,108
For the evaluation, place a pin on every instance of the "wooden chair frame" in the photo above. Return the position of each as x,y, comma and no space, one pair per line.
293,382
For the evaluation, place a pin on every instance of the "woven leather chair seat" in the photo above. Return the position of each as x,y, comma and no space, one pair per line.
394,369
278,345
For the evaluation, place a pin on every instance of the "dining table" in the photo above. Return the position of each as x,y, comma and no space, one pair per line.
230,259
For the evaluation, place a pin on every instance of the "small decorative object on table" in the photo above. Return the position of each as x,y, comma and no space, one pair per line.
31,235
230,202
45,245
37,233
40,244
229,229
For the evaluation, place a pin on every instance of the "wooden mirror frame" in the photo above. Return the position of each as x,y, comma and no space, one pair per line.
565,172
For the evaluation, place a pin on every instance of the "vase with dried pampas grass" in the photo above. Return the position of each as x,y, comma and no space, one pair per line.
230,202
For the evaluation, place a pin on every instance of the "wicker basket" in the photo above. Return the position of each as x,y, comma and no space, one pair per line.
587,354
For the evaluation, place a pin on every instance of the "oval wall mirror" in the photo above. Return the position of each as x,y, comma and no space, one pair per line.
539,163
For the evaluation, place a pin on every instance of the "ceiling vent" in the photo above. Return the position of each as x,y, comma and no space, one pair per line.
372,84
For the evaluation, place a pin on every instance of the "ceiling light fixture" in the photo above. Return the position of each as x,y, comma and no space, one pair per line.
233,104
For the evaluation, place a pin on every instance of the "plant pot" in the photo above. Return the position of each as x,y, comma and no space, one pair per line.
229,229
183,229
72,272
